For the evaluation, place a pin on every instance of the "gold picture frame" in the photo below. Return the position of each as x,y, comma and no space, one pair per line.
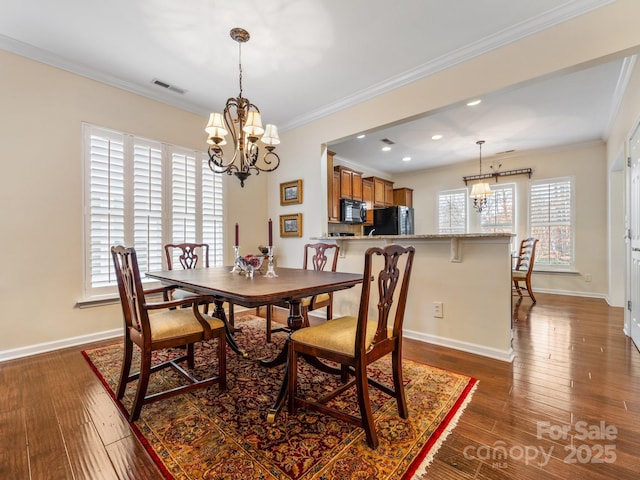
291,225
291,192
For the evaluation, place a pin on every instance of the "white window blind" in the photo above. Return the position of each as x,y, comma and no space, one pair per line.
145,194
105,204
498,214
147,204
551,221
185,198
212,231
452,211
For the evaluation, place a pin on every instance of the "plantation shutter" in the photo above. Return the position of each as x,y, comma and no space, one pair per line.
452,211
147,204
184,198
106,204
144,193
212,229
551,221
497,216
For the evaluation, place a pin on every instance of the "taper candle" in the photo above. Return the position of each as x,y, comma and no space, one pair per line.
237,235
270,233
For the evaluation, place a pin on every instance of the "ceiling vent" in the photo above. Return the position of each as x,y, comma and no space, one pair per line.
387,141
168,86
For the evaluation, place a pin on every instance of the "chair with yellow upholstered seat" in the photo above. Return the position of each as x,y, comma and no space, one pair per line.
356,342
524,267
316,256
159,325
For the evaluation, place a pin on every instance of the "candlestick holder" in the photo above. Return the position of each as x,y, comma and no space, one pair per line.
270,270
236,255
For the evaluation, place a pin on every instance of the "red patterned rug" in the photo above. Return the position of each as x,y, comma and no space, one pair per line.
207,434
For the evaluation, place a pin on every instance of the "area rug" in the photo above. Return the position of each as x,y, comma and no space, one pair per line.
207,434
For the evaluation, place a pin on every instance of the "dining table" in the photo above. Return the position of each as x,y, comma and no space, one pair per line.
290,286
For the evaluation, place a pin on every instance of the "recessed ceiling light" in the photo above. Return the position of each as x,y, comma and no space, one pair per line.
406,159
386,149
361,136
474,103
436,137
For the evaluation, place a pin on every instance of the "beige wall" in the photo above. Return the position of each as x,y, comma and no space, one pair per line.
605,33
41,182
41,190
585,163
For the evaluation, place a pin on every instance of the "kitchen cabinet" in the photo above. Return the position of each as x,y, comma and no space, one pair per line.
367,198
382,192
350,183
333,190
403,196
356,185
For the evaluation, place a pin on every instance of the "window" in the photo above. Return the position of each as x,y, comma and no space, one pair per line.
551,221
452,211
145,193
498,215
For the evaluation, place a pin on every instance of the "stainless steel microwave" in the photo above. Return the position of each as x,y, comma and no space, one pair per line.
352,211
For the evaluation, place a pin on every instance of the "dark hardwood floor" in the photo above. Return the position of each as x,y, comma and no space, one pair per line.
567,407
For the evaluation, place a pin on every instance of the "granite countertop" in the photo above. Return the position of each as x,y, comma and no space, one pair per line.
417,237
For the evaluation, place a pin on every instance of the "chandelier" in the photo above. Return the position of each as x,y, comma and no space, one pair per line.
242,119
481,190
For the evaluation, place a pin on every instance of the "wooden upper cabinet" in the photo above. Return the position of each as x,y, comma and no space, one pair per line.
403,196
356,186
367,198
382,192
350,183
346,187
334,213
388,194
333,190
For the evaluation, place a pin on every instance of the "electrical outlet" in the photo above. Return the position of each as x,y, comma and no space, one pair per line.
587,277
437,310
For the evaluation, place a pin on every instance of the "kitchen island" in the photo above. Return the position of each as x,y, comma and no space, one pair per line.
468,274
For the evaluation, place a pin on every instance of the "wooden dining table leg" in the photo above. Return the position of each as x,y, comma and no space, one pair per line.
294,322
229,329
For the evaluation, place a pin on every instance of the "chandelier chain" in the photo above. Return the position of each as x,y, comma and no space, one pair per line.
240,66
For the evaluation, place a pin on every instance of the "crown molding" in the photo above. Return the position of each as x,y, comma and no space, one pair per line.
509,35
492,42
39,55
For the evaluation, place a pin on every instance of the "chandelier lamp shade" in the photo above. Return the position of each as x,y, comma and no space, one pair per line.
481,190
241,119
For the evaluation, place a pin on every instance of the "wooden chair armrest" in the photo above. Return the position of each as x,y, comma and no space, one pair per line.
195,301
164,290
206,326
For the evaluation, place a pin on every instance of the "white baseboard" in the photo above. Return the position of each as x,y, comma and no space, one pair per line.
58,344
503,355
571,293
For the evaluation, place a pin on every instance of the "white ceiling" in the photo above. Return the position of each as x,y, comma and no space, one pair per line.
309,58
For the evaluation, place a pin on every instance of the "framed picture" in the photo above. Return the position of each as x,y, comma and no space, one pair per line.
291,225
291,192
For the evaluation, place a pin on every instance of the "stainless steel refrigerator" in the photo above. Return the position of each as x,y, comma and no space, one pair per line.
397,220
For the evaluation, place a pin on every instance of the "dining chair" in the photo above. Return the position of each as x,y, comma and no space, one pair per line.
524,267
156,325
356,342
316,256
188,255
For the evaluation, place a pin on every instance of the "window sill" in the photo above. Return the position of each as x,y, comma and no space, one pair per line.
97,302
556,272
